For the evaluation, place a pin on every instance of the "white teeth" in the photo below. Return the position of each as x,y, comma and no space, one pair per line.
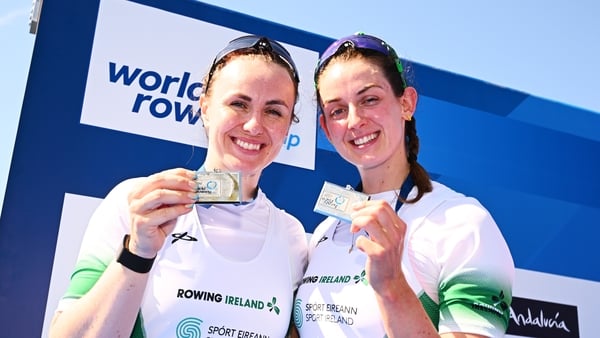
365,139
246,145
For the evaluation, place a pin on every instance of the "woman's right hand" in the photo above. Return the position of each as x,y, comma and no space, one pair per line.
154,206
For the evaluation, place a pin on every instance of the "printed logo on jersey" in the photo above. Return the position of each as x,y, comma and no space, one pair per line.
361,278
230,300
223,331
323,239
337,279
189,328
536,318
183,236
499,301
498,307
298,313
324,312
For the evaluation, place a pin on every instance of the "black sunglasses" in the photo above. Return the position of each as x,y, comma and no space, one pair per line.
257,43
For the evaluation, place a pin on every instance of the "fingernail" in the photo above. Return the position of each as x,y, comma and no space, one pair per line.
195,175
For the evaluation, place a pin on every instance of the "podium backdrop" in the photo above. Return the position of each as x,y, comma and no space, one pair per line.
111,93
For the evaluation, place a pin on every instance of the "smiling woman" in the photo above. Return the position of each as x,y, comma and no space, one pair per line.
430,261
176,241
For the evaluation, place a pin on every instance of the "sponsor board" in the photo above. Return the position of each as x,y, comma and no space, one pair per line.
536,318
145,75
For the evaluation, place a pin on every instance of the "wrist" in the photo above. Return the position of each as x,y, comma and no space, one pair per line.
132,261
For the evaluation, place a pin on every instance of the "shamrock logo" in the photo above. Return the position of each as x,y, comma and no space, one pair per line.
272,305
499,300
361,278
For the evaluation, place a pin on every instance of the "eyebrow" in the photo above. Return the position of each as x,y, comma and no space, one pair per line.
361,91
270,102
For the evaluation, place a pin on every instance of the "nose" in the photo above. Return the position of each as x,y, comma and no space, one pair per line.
253,124
355,118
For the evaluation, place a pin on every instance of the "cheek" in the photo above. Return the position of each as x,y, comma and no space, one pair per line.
279,133
336,129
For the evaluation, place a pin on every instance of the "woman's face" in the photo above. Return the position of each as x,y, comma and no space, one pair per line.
247,115
362,117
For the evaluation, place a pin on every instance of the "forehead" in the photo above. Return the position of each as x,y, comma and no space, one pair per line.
254,76
243,66
349,73
247,64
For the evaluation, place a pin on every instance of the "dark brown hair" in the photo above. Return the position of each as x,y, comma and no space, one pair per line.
396,80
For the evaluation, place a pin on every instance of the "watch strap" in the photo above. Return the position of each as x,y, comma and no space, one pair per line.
132,261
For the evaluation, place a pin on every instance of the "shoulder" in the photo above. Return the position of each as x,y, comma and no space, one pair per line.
445,202
446,214
458,206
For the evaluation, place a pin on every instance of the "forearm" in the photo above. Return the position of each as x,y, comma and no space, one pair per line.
402,312
109,309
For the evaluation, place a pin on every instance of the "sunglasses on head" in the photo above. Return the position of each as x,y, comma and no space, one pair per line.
256,43
363,41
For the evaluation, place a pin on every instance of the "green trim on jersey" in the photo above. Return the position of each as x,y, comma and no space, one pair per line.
86,274
138,327
475,295
431,308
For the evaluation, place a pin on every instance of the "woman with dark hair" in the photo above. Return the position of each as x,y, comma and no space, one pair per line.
155,263
414,258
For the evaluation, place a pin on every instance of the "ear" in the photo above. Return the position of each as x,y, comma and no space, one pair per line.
203,109
408,100
324,126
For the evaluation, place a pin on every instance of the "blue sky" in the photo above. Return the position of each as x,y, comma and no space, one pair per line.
545,48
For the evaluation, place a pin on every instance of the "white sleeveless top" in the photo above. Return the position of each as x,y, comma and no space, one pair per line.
196,289
455,260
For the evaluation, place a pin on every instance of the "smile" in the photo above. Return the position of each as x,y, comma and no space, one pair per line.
362,140
246,145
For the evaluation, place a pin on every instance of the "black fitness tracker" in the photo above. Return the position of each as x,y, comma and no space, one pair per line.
134,262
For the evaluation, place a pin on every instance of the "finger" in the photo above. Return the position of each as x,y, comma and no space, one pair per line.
161,197
147,222
172,179
380,221
375,230
372,214
368,246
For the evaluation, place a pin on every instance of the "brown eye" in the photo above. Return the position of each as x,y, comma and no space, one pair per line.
337,113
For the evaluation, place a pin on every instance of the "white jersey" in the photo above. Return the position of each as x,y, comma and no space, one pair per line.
455,259
192,286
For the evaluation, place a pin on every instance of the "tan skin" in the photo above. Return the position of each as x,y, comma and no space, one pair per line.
364,121
247,116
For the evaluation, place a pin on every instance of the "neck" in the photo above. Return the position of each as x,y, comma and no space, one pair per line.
383,178
249,186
